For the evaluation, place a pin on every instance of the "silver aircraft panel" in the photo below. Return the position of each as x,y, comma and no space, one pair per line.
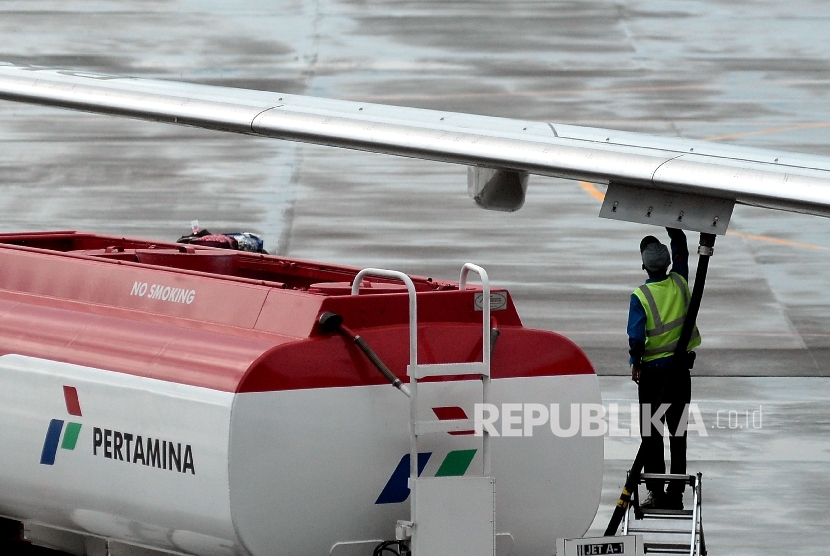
735,154
749,176
459,146
101,94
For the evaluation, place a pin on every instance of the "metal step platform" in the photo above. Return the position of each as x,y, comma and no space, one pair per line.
668,531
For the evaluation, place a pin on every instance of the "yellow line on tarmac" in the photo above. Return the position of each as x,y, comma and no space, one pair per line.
769,131
778,241
592,190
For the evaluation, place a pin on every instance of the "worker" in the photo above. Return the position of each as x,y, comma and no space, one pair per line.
656,315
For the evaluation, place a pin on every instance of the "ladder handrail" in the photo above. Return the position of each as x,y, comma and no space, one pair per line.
413,363
485,349
485,305
693,544
413,303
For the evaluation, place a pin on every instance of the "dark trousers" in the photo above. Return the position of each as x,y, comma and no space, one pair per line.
676,388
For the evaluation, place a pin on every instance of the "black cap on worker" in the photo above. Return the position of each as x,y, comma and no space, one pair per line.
656,258
647,241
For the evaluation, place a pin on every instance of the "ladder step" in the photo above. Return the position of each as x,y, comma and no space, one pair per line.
666,537
449,425
448,369
668,531
668,514
658,530
688,479
666,548
660,524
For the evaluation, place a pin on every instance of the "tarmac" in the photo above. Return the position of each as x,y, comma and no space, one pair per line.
754,73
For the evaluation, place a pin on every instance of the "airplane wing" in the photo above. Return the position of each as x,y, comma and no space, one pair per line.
646,173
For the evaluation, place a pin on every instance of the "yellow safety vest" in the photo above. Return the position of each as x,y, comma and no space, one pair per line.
666,303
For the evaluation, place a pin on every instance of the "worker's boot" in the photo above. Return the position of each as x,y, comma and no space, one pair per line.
653,501
672,501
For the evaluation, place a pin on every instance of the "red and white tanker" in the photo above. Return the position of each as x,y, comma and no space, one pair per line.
161,397
186,399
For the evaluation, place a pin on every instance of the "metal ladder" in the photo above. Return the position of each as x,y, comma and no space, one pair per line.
668,531
428,502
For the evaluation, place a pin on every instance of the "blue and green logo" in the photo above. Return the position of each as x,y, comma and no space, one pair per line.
56,428
455,464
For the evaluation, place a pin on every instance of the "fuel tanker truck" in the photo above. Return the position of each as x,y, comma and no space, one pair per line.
166,398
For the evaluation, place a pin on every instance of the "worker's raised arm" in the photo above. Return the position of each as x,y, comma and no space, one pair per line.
679,252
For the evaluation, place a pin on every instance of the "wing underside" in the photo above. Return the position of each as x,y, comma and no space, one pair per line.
665,166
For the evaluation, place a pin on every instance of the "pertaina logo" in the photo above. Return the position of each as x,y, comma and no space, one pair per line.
454,465
70,435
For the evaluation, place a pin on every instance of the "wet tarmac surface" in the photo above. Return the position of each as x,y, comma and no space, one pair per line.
764,460
754,74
